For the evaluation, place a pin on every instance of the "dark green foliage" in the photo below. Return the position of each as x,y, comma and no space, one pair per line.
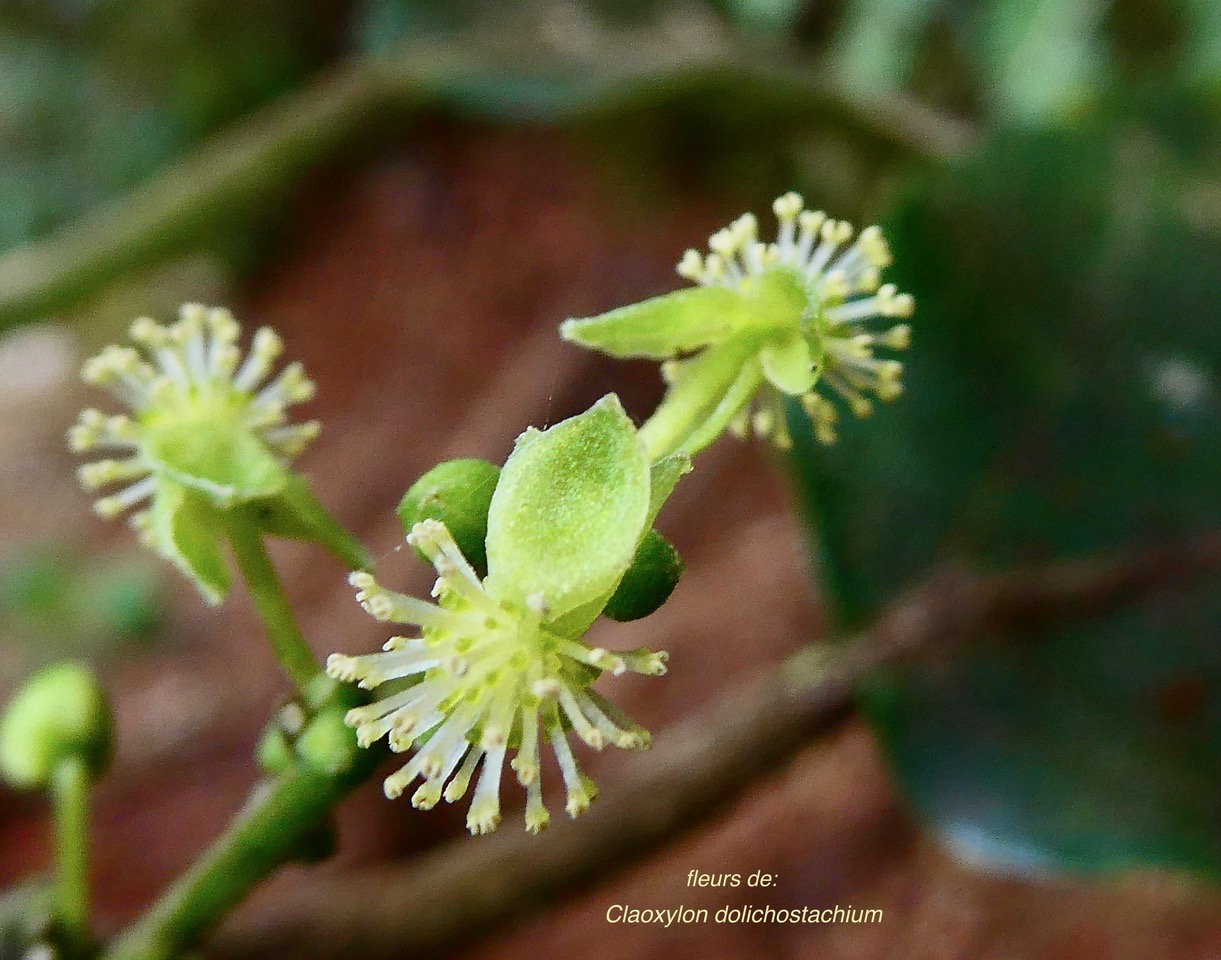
96,97
56,603
1062,398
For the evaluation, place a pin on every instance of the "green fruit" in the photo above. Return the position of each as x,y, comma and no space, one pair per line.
457,493
649,581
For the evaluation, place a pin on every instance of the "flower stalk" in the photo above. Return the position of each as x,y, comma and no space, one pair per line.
69,789
276,826
271,604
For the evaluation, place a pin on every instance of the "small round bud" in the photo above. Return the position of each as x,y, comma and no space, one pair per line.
649,581
322,691
458,494
60,713
327,745
274,752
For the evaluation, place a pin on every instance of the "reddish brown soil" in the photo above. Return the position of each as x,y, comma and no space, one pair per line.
422,292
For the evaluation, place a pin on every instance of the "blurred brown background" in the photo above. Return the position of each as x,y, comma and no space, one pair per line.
414,193
422,289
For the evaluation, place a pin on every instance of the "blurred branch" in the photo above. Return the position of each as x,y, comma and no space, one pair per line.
230,177
174,212
694,770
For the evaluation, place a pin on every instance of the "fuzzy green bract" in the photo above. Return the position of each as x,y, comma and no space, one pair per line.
190,513
182,528
675,323
569,510
663,478
734,328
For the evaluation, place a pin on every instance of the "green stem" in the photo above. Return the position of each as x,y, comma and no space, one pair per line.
667,431
710,390
70,807
272,605
265,835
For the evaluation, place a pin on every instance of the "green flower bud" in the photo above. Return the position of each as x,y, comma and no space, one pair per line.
322,692
649,581
278,756
457,493
274,752
327,745
60,713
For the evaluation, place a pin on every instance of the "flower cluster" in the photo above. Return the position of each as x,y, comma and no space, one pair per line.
487,675
844,281
768,319
207,445
500,662
188,373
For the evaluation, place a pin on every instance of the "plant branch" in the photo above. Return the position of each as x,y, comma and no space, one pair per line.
252,164
218,185
695,768
277,818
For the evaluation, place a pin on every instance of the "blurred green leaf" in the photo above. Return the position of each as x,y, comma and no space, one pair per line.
1062,398
1042,58
96,96
1202,47
125,598
57,604
878,42
33,586
1095,748
379,25
209,61
68,139
766,16
25,919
